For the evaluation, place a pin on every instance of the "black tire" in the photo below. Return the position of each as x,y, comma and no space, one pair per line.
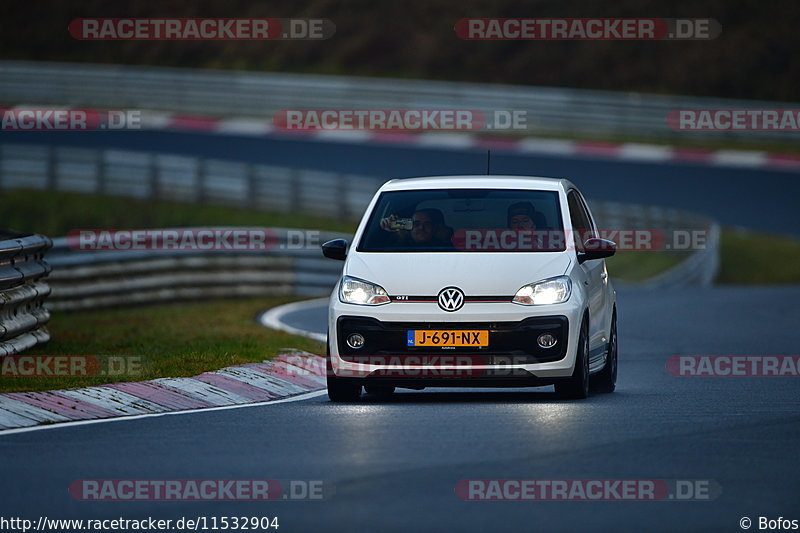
606,379
577,387
379,390
340,390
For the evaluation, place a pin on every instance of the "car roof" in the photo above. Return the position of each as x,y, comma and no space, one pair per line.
477,182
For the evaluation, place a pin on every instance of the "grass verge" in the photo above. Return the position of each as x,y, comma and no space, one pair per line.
758,258
54,213
173,340
636,266
746,258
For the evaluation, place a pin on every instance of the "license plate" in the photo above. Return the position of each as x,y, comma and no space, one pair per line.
448,337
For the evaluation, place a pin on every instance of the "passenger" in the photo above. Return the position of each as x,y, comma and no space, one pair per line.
521,216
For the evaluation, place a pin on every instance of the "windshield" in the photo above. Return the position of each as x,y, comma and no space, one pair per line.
465,220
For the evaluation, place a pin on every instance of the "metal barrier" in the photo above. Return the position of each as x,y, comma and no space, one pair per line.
699,269
186,179
22,292
700,266
550,111
97,279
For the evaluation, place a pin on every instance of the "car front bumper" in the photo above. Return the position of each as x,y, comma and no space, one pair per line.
511,359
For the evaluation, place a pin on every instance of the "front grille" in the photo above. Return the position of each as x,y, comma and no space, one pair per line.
509,342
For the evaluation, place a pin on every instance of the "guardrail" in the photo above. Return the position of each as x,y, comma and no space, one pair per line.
550,111
699,269
186,179
700,266
22,292
96,279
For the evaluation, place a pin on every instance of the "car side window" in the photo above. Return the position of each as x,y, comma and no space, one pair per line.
579,217
588,213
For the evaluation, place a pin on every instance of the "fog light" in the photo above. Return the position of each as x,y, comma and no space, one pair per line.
355,341
546,340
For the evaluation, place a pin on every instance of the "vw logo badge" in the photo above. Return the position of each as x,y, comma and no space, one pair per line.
451,299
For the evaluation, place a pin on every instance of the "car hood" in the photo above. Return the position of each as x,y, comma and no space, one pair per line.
477,274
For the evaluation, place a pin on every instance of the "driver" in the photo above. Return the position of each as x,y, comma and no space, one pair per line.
428,228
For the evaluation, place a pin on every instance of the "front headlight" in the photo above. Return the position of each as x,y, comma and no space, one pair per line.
358,291
549,291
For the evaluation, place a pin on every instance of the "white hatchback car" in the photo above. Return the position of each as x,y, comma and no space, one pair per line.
495,281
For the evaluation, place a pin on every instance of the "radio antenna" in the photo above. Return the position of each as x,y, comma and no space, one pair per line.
488,162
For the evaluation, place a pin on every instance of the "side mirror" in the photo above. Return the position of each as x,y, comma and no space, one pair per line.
335,249
596,249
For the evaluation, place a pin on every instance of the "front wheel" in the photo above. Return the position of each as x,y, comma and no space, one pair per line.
340,390
577,387
606,379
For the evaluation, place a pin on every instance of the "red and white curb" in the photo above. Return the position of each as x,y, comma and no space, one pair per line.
290,374
631,152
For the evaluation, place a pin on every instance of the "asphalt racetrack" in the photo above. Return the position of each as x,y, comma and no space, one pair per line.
394,464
